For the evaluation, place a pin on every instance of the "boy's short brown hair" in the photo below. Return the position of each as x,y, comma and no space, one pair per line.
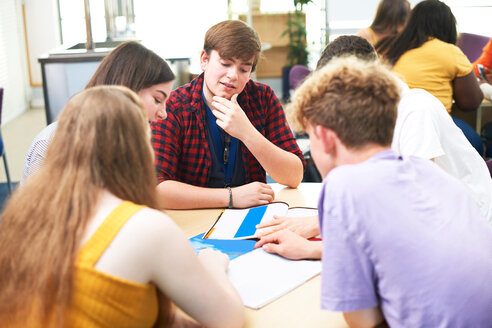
233,39
356,99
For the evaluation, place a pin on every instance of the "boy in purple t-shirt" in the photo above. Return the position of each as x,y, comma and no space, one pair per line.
403,242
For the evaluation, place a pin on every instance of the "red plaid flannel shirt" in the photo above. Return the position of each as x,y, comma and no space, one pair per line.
181,146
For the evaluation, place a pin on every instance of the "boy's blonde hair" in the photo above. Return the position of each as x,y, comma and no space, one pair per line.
354,98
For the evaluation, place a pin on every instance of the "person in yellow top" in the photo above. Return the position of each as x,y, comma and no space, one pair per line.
82,245
425,56
390,18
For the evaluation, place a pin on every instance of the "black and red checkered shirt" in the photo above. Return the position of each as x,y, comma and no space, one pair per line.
181,146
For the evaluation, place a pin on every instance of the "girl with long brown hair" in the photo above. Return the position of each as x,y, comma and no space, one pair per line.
81,244
391,16
131,65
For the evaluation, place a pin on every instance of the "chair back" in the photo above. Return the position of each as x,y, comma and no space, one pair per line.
297,75
1,139
489,166
1,102
472,45
470,134
486,134
2,149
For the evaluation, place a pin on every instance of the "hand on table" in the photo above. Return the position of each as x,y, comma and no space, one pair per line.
488,74
231,117
306,227
290,245
251,194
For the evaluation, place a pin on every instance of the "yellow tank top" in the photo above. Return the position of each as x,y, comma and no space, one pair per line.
102,300
99,299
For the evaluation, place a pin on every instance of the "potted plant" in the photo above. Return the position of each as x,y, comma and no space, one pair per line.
296,31
297,54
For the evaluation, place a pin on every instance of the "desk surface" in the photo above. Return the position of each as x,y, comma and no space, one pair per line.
299,308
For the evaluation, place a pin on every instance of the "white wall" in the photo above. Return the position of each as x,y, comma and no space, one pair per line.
42,35
347,16
42,32
176,30
13,71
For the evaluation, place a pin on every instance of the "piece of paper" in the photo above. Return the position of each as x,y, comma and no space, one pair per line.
241,223
260,277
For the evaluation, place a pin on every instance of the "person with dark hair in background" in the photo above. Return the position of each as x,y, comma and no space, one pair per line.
390,18
425,55
131,65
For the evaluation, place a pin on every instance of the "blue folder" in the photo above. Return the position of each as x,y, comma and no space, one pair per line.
233,248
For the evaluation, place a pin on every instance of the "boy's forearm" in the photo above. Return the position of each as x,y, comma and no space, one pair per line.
371,317
178,195
284,167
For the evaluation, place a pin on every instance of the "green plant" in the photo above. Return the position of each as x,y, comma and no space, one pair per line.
296,31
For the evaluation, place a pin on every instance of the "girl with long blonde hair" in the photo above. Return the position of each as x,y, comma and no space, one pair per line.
81,244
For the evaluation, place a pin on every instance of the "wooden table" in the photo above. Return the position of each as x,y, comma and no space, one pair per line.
299,308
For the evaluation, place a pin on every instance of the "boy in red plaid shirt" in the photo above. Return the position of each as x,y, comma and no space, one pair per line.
223,131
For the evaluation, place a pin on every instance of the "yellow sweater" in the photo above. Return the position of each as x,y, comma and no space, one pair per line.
102,300
433,66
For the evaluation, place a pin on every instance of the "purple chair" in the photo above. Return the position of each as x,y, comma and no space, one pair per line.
297,75
489,165
472,45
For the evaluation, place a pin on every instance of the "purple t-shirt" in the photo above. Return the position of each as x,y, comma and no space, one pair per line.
401,234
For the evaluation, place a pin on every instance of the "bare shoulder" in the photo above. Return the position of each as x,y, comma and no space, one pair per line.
147,234
364,33
152,227
150,214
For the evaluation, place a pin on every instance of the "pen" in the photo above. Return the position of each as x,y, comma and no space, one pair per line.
213,227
